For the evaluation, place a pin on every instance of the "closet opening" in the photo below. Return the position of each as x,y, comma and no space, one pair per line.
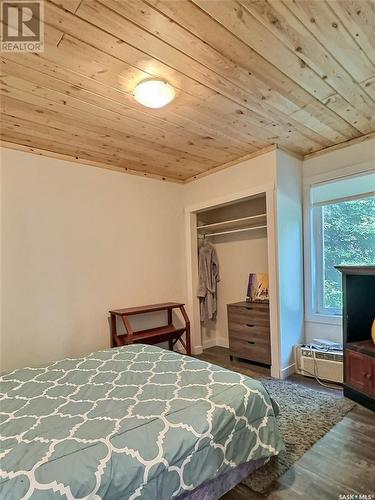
234,236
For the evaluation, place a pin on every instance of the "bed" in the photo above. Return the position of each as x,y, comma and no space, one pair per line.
133,422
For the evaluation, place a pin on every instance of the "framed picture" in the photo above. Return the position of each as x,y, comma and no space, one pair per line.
258,288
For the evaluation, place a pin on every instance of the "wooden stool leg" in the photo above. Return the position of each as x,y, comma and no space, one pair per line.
129,331
188,344
187,330
113,329
170,342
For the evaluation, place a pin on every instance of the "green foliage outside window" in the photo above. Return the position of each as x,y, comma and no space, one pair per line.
348,239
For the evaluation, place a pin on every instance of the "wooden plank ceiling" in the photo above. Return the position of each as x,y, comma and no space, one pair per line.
248,74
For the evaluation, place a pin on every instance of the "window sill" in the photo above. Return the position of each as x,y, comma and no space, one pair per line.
323,318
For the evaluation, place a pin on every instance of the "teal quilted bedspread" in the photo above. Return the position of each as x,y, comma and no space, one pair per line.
126,423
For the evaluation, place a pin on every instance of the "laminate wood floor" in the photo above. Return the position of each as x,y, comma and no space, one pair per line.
341,463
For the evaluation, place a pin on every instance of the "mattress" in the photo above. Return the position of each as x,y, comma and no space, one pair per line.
133,422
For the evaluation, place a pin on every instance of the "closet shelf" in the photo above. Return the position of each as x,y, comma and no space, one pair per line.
253,221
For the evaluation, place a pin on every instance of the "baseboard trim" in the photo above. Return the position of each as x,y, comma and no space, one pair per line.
217,341
287,371
222,342
209,343
198,349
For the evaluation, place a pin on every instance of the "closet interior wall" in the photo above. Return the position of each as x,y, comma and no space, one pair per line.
239,253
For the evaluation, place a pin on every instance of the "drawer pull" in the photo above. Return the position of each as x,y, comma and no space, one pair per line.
249,308
250,342
250,326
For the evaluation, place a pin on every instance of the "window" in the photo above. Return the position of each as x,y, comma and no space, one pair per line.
343,234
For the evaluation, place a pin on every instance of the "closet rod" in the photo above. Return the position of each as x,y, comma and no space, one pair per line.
234,231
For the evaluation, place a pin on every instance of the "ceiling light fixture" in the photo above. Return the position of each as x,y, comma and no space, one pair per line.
154,93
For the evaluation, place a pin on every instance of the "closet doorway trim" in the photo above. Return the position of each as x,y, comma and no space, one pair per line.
191,253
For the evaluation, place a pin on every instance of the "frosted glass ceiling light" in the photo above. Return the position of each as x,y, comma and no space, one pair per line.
154,93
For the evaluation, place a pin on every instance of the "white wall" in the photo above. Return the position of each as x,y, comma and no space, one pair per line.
350,160
255,172
1,266
76,242
290,256
340,160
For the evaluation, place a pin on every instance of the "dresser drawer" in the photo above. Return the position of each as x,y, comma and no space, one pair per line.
251,350
244,316
250,332
250,308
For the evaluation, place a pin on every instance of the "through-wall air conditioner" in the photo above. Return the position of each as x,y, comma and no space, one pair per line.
320,363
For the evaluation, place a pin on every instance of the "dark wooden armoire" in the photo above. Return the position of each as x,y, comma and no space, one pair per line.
358,285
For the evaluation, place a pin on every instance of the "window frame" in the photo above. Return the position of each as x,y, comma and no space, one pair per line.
312,314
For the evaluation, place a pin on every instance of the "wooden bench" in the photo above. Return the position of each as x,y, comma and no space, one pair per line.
153,335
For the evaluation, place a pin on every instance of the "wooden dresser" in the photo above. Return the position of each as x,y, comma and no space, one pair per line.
249,331
358,286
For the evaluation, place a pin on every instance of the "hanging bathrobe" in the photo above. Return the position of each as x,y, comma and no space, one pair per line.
208,277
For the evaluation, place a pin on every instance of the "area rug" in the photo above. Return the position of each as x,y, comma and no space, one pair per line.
306,415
